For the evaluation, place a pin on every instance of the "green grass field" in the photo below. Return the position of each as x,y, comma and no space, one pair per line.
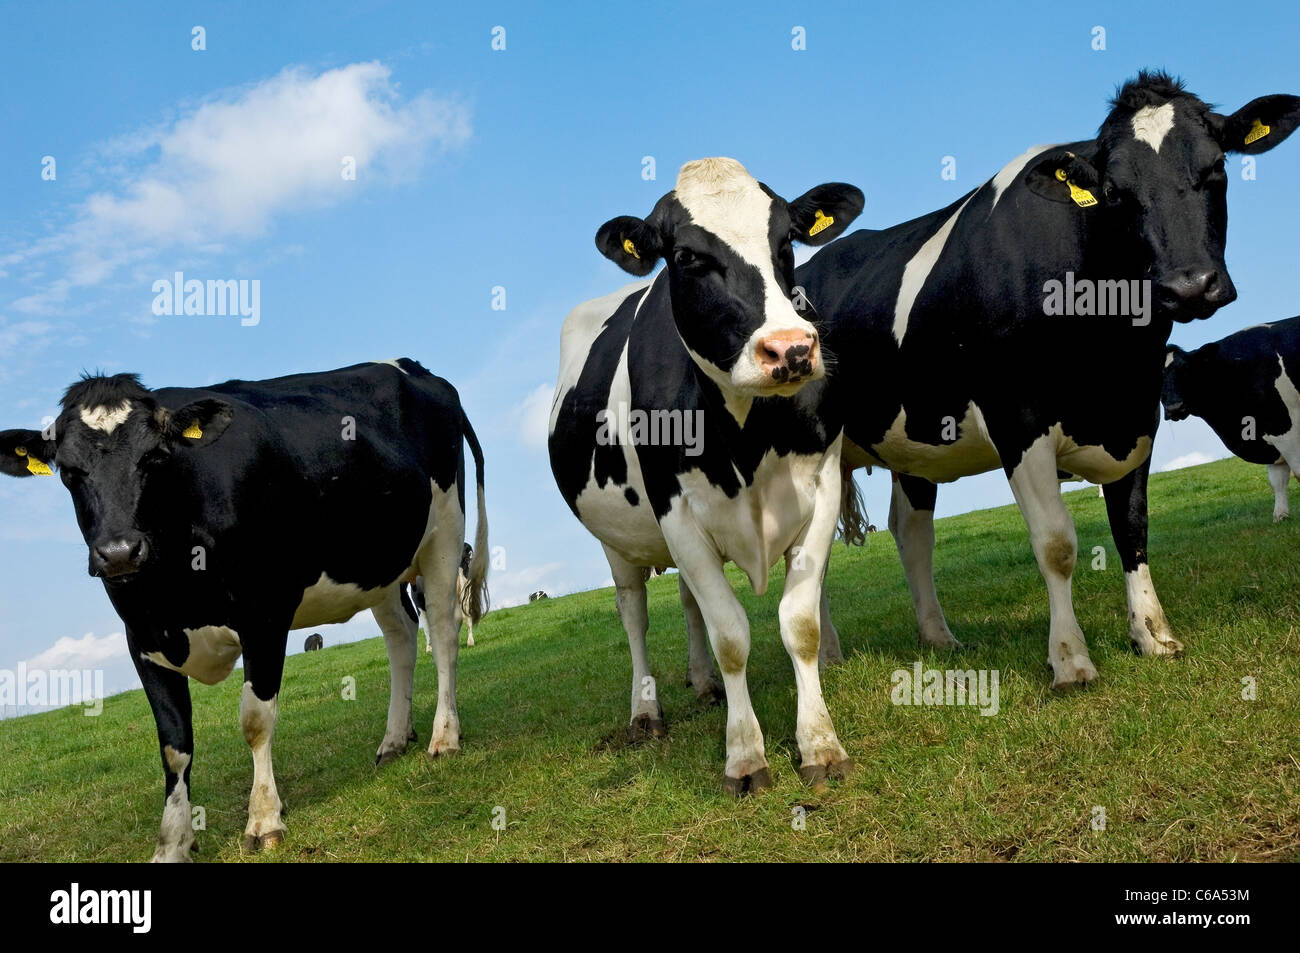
1183,766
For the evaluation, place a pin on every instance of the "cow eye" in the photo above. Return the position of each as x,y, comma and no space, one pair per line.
153,458
692,262
1215,174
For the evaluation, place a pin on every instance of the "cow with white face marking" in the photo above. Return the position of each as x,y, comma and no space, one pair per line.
1013,329
1244,386
687,430
219,518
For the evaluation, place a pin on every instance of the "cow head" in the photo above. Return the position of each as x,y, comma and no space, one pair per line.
1154,186
113,446
1178,379
727,240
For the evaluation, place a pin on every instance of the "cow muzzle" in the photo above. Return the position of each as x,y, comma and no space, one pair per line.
117,558
789,357
1194,293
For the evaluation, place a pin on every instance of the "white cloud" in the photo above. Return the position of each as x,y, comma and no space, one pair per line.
85,652
1195,458
535,417
513,588
227,167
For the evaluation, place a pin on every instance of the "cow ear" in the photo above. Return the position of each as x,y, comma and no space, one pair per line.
1064,177
26,453
631,243
823,213
1259,125
197,424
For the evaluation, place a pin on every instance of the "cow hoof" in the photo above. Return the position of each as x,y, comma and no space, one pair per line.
1166,645
1072,675
1279,517
817,775
388,756
643,728
711,693
442,751
827,659
256,842
750,783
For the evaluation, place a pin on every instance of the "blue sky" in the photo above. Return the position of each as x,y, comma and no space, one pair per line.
479,168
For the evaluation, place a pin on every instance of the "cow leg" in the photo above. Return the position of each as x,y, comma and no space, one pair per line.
440,567
820,752
647,719
258,712
169,697
399,639
728,628
422,617
830,652
911,522
1126,507
1279,476
1051,531
700,673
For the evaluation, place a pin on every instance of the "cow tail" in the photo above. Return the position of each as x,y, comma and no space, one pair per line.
476,597
853,512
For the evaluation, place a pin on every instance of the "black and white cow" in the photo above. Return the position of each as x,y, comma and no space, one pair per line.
967,344
686,431
1244,386
221,517
313,643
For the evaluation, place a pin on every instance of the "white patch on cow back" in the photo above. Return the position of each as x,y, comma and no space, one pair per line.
106,419
392,362
1152,123
1011,171
214,650
919,268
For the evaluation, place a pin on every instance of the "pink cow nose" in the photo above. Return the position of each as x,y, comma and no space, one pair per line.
788,356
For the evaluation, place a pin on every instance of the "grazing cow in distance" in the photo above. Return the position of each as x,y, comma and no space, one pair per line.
314,643
1244,386
1024,327
463,593
220,518
537,596
687,431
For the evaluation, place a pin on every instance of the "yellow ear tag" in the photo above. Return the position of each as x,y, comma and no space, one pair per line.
1257,131
34,466
1082,197
630,248
192,432
821,222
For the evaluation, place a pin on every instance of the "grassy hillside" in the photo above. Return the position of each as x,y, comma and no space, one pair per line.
1184,767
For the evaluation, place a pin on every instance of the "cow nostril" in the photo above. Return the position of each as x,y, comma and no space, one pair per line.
768,353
